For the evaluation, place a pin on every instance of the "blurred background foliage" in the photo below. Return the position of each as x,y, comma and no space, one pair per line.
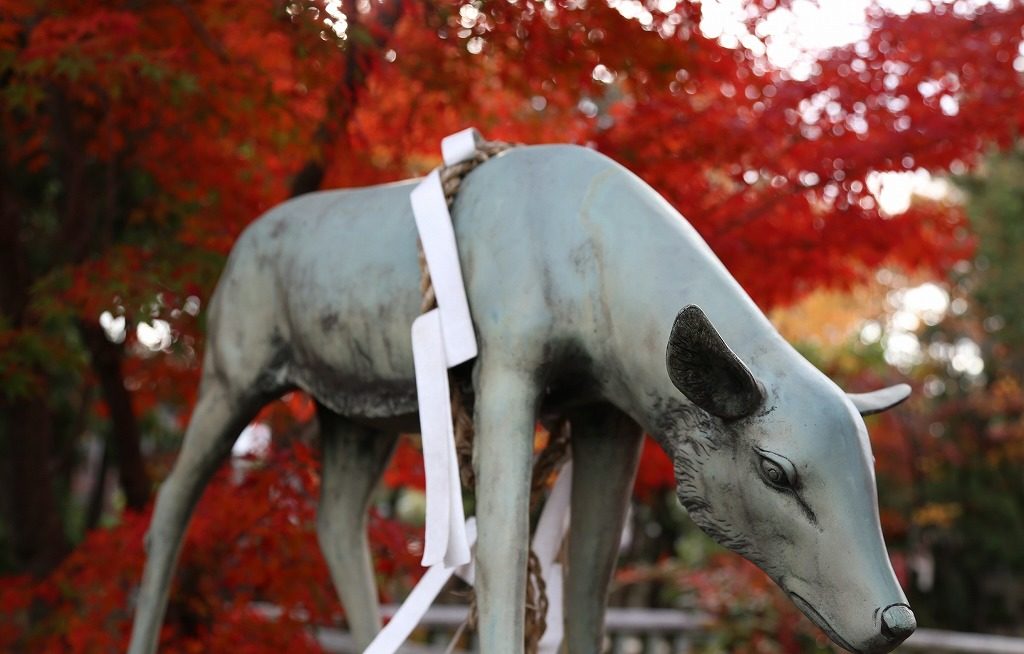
138,140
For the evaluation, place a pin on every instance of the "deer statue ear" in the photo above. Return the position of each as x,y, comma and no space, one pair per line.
706,371
880,400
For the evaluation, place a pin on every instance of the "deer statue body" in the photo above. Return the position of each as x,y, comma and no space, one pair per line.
576,273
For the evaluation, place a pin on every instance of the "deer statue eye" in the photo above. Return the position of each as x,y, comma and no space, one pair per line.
777,470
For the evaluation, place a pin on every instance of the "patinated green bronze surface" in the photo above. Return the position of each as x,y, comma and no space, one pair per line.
591,297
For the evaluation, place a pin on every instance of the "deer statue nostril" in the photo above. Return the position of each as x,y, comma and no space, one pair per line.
898,622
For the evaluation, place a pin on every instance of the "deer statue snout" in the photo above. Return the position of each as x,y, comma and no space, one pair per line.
898,623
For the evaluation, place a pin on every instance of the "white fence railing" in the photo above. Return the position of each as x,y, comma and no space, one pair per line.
661,631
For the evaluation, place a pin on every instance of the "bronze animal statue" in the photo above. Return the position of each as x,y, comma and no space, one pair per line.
584,286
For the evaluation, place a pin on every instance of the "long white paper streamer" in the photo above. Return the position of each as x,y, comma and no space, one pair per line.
445,539
442,338
547,541
438,237
415,606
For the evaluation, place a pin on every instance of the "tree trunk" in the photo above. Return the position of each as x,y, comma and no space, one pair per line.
360,57
35,525
98,492
125,435
28,498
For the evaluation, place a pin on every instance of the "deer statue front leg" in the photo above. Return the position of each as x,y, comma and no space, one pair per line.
503,455
605,451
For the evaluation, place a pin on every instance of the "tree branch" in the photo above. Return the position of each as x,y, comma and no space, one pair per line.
196,23
341,104
126,438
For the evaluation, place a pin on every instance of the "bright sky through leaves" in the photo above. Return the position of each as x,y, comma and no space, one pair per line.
792,39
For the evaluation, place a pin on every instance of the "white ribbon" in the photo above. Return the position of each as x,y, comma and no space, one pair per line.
437,235
443,338
460,146
445,540
419,600
547,541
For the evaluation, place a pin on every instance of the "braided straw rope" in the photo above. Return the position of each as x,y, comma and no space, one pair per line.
550,458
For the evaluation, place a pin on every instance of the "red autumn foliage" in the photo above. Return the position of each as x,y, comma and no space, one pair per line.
253,540
654,474
406,469
141,138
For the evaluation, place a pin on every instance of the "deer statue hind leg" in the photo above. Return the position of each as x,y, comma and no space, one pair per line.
605,451
503,455
354,457
219,416
244,367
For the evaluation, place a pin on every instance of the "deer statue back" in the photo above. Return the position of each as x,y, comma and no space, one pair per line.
593,298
